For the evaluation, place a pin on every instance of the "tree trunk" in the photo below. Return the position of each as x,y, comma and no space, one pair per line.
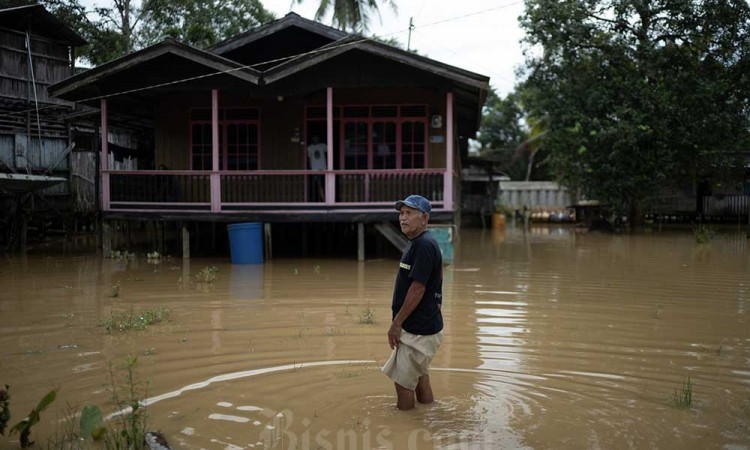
531,165
634,214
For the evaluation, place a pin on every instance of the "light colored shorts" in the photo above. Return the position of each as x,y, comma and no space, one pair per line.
411,359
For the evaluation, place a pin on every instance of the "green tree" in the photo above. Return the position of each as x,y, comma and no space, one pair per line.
200,23
502,131
638,94
350,15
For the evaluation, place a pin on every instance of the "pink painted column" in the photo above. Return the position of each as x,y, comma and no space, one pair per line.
215,177
449,151
330,176
104,156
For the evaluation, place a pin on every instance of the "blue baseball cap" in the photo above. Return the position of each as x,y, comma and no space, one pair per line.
415,202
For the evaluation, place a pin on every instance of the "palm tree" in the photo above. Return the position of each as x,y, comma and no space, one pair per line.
353,15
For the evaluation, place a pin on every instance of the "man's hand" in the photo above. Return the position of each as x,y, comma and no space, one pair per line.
394,335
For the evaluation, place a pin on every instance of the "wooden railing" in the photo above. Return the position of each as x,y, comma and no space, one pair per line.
159,188
192,190
385,186
263,187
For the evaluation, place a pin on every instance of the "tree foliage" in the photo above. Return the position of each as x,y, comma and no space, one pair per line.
350,15
638,94
123,26
198,23
502,131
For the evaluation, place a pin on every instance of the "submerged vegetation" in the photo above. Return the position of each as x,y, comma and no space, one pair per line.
132,320
23,428
367,315
128,429
703,233
4,411
207,274
682,397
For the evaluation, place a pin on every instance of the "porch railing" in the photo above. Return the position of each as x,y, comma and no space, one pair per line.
384,186
192,190
159,189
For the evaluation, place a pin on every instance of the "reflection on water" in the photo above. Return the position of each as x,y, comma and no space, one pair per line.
246,281
553,340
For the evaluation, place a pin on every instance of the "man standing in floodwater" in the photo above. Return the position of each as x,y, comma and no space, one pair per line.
415,334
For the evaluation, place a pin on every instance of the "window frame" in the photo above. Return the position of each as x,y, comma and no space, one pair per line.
223,138
370,121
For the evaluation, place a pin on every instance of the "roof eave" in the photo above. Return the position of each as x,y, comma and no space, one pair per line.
269,28
221,64
341,46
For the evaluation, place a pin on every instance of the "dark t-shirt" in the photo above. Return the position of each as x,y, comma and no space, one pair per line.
421,261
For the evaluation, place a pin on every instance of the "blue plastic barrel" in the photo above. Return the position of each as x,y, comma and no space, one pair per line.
246,243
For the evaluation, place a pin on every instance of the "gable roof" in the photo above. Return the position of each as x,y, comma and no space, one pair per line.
93,82
290,20
354,42
38,21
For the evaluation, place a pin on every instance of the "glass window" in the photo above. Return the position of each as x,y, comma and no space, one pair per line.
241,149
355,145
384,145
413,145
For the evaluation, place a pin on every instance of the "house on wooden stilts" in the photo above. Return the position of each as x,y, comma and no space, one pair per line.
36,50
232,126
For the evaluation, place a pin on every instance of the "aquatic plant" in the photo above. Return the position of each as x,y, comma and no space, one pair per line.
331,331
367,315
120,255
128,431
207,274
682,397
131,320
67,435
703,233
4,408
24,427
657,314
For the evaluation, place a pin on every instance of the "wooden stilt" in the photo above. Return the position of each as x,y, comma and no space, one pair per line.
360,241
24,231
268,247
305,232
106,239
185,242
213,235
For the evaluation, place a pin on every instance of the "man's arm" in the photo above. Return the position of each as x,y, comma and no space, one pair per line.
413,297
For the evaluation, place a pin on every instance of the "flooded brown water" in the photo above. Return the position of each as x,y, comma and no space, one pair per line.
552,340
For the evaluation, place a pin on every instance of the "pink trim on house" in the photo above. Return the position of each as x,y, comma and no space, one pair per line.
215,192
215,130
448,181
330,177
184,190
215,177
104,155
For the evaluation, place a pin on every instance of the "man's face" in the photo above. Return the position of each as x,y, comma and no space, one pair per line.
412,221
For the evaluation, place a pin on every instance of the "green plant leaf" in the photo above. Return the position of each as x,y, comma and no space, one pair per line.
46,401
91,421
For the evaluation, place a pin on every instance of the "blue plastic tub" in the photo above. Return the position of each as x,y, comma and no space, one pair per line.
246,243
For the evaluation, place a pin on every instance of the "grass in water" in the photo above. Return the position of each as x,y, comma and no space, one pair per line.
132,320
703,233
207,274
367,315
683,397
